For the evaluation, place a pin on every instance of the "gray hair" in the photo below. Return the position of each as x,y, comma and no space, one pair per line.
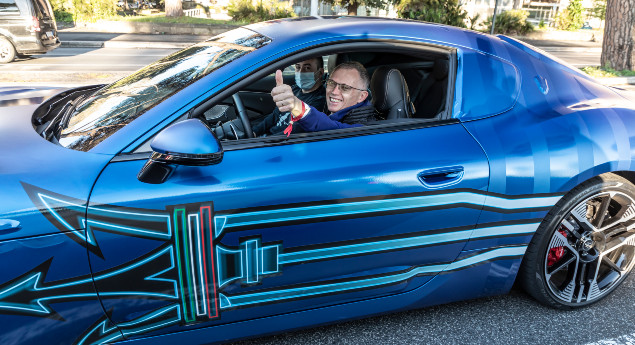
363,73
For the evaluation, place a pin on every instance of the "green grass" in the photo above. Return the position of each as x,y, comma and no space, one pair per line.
604,72
161,18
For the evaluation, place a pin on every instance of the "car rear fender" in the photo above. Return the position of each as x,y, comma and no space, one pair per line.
8,35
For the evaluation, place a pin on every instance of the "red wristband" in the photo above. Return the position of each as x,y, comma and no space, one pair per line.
289,128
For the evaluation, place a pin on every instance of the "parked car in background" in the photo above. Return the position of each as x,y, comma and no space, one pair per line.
26,27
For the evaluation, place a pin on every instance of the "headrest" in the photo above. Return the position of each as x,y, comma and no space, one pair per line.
390,92
440,69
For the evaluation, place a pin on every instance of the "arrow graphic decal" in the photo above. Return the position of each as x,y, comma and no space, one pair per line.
147,277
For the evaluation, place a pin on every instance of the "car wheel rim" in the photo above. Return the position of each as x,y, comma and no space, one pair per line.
593,248
4,50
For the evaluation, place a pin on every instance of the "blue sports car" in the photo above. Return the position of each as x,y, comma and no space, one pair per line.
147,211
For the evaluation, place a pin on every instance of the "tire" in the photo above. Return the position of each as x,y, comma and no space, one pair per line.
583,249
7,51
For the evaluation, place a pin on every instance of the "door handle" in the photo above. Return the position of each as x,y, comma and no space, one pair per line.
441,177
9,225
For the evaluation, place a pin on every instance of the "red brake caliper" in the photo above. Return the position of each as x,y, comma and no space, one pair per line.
556,253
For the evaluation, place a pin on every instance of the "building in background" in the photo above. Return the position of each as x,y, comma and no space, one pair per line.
539,10
303,8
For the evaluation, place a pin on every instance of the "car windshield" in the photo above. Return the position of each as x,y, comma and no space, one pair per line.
116,105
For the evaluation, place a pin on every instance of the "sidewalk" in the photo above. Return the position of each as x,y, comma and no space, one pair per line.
83,39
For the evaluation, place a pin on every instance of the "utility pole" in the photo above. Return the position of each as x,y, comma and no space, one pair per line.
494,18
314,8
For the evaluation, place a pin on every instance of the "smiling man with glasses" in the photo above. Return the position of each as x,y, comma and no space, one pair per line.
346,99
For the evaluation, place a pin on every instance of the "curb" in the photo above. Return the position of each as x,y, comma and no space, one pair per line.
107,26
613,81
571,49
125,44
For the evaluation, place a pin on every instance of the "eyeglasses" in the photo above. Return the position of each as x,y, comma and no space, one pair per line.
331,84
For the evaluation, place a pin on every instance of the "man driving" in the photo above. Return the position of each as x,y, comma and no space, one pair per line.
346,99
308,88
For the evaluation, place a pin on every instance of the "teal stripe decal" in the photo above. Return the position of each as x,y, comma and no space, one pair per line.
148,233
404,243
315,290
145,216
333,210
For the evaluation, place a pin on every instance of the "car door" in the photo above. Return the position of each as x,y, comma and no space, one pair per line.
326,218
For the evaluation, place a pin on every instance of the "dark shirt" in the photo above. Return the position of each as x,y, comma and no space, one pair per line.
276,122
316,120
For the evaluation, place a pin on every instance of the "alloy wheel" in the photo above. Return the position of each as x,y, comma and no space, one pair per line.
592,249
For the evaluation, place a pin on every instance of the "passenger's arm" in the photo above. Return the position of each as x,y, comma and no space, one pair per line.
316,120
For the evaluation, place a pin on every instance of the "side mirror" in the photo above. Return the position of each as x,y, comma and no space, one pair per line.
188,142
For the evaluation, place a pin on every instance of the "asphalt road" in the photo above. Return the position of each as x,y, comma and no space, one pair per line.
579,58
510,319
90,59
79,66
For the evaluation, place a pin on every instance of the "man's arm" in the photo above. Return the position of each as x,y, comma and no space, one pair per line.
316,120
310,119
269,121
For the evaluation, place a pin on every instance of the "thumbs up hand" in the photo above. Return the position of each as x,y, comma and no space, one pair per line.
283,95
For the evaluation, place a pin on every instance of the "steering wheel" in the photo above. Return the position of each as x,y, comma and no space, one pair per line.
242,114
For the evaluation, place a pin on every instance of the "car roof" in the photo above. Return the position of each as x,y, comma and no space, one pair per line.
291,30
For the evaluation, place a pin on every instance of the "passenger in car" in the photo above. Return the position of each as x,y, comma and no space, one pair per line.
308,88
346,99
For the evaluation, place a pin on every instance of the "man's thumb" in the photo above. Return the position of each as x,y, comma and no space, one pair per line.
279,80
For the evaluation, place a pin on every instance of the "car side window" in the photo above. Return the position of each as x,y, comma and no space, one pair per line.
406,88
8,7
402,88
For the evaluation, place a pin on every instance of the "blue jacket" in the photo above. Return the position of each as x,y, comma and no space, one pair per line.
318,121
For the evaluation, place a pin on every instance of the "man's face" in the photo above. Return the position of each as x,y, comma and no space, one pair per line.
308,76
336,99
306,66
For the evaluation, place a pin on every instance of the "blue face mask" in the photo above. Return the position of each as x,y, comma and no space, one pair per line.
305,80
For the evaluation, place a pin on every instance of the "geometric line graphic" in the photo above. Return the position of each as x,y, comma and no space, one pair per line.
322,212
192,270
280,295
69,216
104,332
404,243
30,294
195,256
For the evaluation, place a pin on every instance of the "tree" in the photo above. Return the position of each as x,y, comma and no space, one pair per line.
599,9
617,44
352,5
449,12
173,8
571,18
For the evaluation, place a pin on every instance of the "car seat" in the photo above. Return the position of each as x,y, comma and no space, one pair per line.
429,97
390,94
